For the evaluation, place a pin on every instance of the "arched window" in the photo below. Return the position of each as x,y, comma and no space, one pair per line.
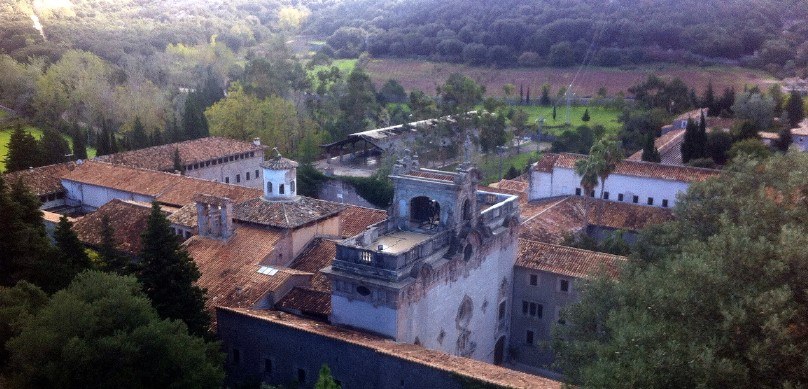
281,189
424,212
466,210
269,187
292,186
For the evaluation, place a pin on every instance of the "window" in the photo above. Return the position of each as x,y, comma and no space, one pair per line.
301,376
534,279
227,180
665,203
502,310
525,305
563,285
248,176
269,187
267,366
635,199
529,337
592,194
363,290
235,356
238,178
605,195
292,186
367,257
619,197
256,173
215,161
532,309
577,191
650,201
281,189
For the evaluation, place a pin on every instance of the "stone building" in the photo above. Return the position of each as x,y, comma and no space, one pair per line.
635,182
213,158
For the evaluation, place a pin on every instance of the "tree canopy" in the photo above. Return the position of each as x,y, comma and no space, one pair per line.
715,298
101,332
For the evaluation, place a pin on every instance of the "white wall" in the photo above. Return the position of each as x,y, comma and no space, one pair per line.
563,182
92,196
437,310
363,314
230,169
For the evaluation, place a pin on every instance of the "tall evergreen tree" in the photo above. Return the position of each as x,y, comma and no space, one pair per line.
53,147
178,165
71,257
545,95
168,275
527,96
649,150
700,143
138,139
585,117
194,123
23,151
784,139
521,93
111,259
688,144
554,113
726,102
209,92
708,101
79,142
795,109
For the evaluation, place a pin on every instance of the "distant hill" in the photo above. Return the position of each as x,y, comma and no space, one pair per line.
767,34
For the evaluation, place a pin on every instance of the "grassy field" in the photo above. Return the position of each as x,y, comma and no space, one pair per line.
426,76
344,65
607,117
5,136
490,165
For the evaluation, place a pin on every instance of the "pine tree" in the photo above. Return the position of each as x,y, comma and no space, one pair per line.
585,117
54,148
79,142
194,124
23,151
784,139
554,113
178,166
708,101
138,139
688,144
72,259
521,93
168,275
795,109
649,151
527,98
545,95
111,259
325,380
700,142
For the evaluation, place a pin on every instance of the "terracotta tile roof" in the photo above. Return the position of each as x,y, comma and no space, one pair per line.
185,216
167,188
669,146
161,158
287,213
127,219
356,219
565,260
769,135
279,163
42,180
556,217
465,367
306,301
512,185
318,255
229,269
632,168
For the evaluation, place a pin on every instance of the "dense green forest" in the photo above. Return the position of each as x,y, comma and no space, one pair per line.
768,34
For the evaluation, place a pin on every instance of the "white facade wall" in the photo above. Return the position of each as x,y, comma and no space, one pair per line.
92,196
287,178
563,182
364,314
433,319
233,172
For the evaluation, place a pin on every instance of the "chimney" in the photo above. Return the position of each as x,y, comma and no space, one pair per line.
257,141
214,216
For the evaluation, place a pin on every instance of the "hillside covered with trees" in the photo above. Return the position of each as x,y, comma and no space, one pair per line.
766,34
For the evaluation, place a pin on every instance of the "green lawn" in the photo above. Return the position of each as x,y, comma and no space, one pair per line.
490,165
5,136
607,117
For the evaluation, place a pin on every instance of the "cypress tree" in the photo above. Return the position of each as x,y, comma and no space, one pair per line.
527,98
178,166
700,143
168,275
54,148
585,116
649,151
23,151
72,258
795,109
784,139
111,259
554,113
521,93
25,247
688,144
545,95
708,101
79,142
138,138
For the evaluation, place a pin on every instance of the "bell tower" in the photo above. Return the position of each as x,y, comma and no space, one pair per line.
280,176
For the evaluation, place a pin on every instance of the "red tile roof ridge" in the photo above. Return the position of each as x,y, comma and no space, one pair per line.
466,367
647,167
584,264
563,199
